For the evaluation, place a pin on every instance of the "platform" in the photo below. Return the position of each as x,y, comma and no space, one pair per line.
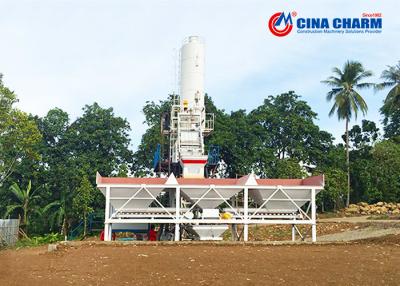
182,201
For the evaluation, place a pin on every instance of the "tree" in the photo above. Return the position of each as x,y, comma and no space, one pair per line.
25,198
383,182
83,198
333,166
19,135
335,189
53,126
391,105
391,78
362,140
143,157
284,126
98,141
363,136
346,99
19,142
57,212
288,169
235,136
391,124
7,99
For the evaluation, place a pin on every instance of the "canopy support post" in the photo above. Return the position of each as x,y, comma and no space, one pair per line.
313,216
107,226
246,214
177,212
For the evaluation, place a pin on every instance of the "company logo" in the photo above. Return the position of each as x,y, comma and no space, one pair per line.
281,24
275,24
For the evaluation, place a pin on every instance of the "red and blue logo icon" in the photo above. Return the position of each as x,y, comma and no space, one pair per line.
280,24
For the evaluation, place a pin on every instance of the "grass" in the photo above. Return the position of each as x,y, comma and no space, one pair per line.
39,240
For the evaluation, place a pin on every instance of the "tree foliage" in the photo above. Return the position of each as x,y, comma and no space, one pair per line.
391,124
24,200
391,105
82,201
96,141
58,212
347,101
335,189
18,134
143,157
282,128
391,79
285,124
383,182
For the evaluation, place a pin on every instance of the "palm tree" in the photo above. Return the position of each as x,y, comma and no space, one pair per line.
346,99
57,214
391,78
23,203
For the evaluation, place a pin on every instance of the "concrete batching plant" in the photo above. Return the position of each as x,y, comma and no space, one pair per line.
188,205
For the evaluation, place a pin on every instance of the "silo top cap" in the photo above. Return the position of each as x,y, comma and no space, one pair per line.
193,39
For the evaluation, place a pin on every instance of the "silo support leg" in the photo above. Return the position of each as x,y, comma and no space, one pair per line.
177,232
246,232
314,232
107,232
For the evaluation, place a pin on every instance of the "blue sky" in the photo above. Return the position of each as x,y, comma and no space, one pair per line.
122,53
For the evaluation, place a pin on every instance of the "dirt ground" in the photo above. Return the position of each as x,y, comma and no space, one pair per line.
371,262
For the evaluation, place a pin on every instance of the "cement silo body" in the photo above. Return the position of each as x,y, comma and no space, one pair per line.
192,74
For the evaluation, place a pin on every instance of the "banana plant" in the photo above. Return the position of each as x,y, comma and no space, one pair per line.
24,199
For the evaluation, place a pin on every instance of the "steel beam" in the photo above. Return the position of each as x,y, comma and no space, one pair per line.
207,221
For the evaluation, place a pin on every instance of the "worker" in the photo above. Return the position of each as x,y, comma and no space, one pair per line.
152,234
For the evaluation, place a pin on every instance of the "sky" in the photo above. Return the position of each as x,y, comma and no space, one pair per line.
123,53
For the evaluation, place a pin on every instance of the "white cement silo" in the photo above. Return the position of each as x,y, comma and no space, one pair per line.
192,73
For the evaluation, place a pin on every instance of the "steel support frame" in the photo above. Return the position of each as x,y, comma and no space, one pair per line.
246,219
225,200
246,214
313,216
177,213
107,224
